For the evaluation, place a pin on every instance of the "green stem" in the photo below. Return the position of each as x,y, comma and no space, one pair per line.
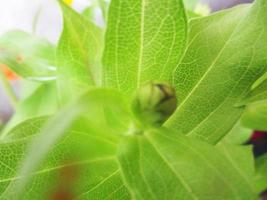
8,89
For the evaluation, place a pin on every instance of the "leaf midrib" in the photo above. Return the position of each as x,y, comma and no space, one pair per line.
142,39
196,152
226,98
60,167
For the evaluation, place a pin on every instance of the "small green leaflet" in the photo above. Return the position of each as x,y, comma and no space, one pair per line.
143,42
78,54
26,128
43,101
238,135
225,55
28,56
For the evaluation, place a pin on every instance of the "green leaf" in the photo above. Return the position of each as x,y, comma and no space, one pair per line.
143,42
255,116
84,156
27,128
238,135
78,54
164,165
86,117
241,159
225,55
28,55
261,173
166,159
43,101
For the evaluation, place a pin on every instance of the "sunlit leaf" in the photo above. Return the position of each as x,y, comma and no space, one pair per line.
43,101
78,54
82,163
143,42
225,55
165,165
93,147
27,128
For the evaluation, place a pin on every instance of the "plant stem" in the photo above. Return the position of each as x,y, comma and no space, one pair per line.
8,89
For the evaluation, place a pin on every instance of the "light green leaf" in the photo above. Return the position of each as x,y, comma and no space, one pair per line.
43,101
241,159
164,165
143,42
226,54
255,116
87,158
257,94
27,128
78,54
80,133
28,55
261,173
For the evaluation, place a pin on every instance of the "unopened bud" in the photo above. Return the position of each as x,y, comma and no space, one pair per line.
154,103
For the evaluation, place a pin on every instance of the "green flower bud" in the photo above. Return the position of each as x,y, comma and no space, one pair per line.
154,103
